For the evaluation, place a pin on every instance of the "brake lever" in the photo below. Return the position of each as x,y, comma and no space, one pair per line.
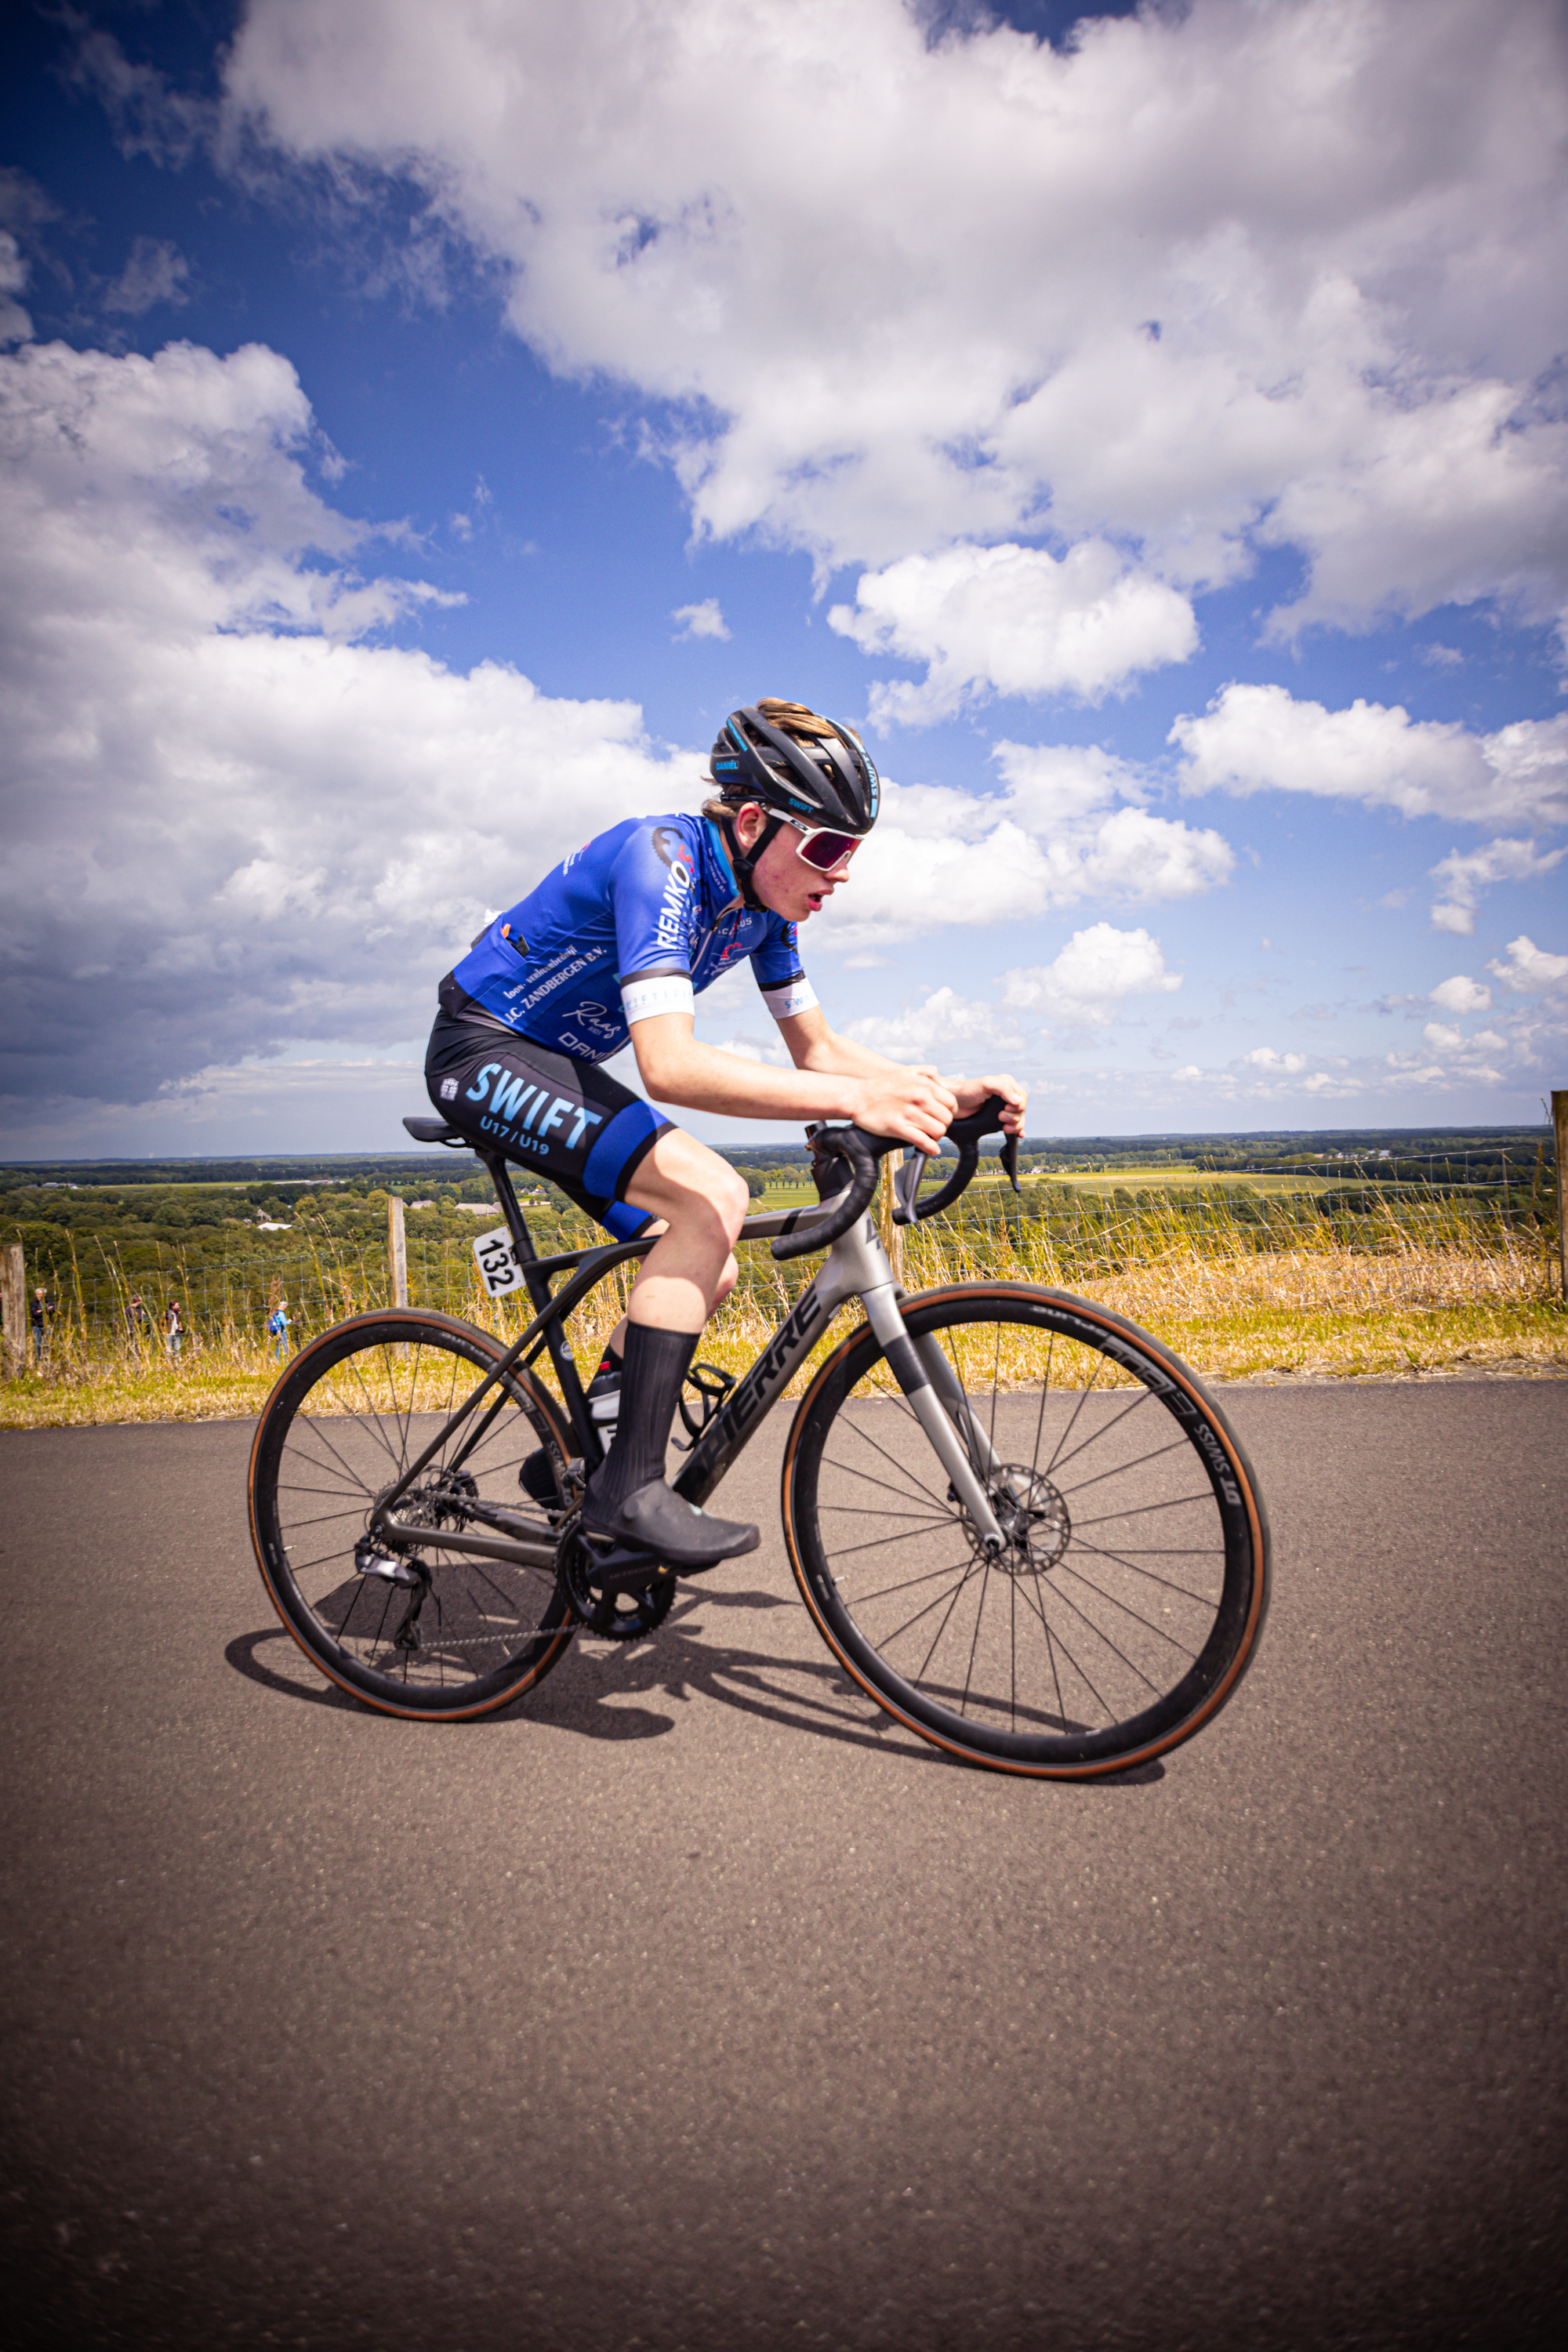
906,1184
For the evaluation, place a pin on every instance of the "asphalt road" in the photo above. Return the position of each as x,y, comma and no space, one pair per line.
694,2004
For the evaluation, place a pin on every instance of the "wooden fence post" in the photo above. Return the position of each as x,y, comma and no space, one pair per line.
1560,1129
14,1298
396,1251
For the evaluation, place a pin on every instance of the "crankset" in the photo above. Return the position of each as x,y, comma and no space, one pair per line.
621,1597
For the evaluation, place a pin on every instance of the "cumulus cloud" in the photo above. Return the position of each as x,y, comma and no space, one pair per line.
1265,1058
945,1027
1529,971
156,272
704,620
1462,994
232,824
1013,619
1212,279
1086,986
1260,739
236,825
1465,876
1068,824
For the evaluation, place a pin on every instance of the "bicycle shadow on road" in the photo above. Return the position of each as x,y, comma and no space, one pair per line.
588,1692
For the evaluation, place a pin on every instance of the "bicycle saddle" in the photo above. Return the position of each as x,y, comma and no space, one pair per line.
432,1130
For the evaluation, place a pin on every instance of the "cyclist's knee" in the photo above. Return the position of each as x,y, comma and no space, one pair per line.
681,1180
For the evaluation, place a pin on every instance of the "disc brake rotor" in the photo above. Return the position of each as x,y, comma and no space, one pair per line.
1033,1516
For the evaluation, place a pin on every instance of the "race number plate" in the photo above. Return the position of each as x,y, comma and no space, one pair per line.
496,1262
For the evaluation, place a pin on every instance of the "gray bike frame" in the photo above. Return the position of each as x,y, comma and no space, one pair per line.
856,1266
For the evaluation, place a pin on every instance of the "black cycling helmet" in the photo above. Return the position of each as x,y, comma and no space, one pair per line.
798,766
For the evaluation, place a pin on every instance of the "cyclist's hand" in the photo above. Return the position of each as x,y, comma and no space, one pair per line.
972,1092
915,1105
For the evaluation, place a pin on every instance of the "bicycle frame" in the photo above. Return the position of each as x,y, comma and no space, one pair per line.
856,1266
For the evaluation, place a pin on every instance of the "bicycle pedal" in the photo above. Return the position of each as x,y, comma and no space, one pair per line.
620,1568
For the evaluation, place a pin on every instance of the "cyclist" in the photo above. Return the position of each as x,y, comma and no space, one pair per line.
614,944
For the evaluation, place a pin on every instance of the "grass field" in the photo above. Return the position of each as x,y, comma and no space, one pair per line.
1252,1289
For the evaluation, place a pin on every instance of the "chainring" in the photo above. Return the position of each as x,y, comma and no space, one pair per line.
618,1617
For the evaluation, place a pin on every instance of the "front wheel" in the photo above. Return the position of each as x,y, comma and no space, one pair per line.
1129,1590
434,1632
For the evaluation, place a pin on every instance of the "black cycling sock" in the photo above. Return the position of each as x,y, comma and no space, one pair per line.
652,1370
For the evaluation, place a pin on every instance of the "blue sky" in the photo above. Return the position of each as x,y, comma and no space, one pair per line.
423,425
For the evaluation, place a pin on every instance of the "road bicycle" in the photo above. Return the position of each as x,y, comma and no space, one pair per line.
1016,1519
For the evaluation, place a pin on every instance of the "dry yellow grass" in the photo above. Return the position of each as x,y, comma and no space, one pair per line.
1412,1305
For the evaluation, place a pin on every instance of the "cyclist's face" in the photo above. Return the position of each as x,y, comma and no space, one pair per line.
781,877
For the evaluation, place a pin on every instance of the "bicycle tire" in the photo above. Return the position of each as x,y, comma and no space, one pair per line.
344,1419
1132,1593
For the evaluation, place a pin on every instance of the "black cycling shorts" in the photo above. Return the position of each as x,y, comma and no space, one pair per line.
568,1121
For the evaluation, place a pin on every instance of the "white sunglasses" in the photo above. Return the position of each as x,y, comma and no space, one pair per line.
820,846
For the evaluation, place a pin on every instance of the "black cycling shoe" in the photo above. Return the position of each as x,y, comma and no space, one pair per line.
662,1525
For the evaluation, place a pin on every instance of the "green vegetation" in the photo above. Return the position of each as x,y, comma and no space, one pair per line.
1337,1271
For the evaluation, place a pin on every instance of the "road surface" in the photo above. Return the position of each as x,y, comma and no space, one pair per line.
694,2004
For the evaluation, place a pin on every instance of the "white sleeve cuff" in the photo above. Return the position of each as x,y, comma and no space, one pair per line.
666,991
793,996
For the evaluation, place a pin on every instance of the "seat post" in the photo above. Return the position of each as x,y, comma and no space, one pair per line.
538,1285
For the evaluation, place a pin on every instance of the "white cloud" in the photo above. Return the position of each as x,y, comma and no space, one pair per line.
1222,274
1461,994
156,272
932,1031
1084,988
228,829
1013,619
1464,878
704,620
1087,984
1066,827
1260,739
243,828
1529,971
1265,1058
1443,1040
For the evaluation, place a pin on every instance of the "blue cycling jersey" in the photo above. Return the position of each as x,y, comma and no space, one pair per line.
638,922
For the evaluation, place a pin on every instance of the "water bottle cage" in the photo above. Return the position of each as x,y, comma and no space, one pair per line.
712,1387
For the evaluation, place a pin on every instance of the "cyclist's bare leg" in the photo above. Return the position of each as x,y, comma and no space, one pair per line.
702,1201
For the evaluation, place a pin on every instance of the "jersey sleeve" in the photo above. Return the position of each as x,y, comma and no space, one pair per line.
777,966
652,887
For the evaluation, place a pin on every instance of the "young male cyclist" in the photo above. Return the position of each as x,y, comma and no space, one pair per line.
617,942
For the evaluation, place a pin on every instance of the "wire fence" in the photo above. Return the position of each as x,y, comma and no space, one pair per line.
1367,1236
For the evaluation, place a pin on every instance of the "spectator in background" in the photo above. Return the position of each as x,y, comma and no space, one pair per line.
138,1321
40,1313
278,1328
174,1329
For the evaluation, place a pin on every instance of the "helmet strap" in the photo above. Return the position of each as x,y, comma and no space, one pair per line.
742,861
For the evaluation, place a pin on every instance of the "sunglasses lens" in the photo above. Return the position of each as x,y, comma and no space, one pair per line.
827,850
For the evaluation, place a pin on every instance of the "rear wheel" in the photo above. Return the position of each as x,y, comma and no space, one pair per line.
1129,1590
428,1630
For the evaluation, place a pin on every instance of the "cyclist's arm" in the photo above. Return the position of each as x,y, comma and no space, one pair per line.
814,1046
884,1097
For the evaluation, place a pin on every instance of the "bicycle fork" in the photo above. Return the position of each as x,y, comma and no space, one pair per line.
926,1377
